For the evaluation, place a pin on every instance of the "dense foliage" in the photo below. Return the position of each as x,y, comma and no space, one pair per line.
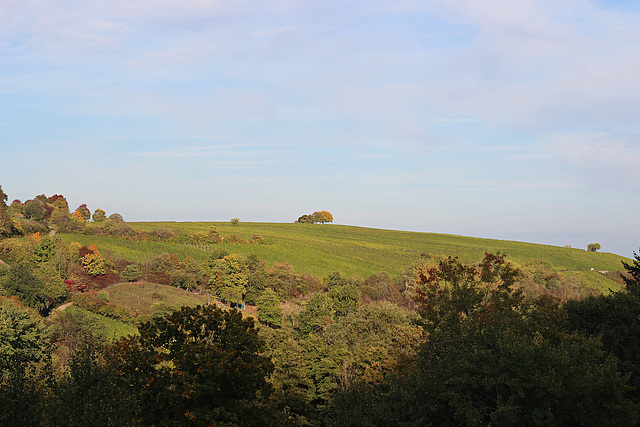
490,357
199,366
155,340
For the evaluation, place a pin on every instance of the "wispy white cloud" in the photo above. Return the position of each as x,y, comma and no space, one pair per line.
438,112
605,160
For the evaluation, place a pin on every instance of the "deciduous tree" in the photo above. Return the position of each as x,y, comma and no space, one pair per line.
316,315
234,278
593,247
615,318
23,338
99,215
305,219
89,394
322,217
116,217
8,225
34,209
318,216
22,282
92,262
24,356
493,358
196,366
345,299
84,212
269,310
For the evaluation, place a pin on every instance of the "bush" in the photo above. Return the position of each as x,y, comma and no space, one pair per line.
161,233
161,309
218,253
131,273
93,264
90,301
269,310
103,296
183,280
119,229
32,227
24,283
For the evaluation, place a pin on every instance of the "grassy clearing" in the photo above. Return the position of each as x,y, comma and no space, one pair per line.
140,297
114,329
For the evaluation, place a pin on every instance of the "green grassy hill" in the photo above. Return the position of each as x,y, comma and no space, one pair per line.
320,249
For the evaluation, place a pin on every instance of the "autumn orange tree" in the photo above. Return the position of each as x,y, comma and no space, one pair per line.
84,212
318,216
92,261
322,217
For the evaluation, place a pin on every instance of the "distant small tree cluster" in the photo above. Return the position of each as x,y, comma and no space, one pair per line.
316,217
593,247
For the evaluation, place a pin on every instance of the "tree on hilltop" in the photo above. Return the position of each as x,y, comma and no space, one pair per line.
84,212
34,209
305,219
316,217
322,217
593,247
99,215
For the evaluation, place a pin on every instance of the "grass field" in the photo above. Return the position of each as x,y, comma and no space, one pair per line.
114,329
320,249
141,297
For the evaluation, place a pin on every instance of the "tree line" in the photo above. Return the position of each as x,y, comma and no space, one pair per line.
476,352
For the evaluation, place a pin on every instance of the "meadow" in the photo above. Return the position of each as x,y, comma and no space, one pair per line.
320,249
141,297
113,329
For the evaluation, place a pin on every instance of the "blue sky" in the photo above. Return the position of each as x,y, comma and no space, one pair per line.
512,120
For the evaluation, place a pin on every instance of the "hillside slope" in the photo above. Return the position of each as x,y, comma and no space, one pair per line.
320,249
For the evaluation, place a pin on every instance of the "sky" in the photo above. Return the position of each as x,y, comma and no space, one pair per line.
515,120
